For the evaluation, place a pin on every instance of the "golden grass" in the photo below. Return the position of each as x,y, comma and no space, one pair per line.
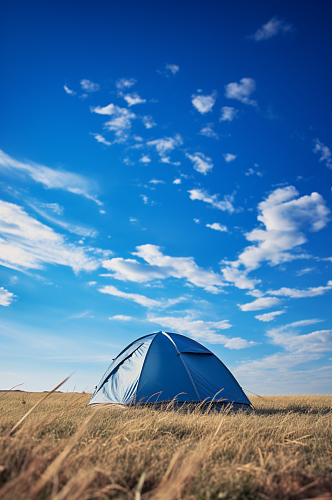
65,450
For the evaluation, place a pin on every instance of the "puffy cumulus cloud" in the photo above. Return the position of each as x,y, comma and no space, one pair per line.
204,103
100,138
202,330
208,131
166,145
217,227
202,163
241,91
120,122
125,83
145,159
229,157
260,303
160,266
133,99
51,179
173,68
26,243
89,86
6,298
225,205
177,181
294,293
148,121
272,28
325,153
228,114
142,300
68,91
251,171
267,317
156,181
239,278
285,217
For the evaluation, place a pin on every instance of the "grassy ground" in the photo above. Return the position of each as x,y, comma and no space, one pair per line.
66,451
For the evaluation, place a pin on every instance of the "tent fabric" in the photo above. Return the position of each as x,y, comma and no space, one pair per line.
163,366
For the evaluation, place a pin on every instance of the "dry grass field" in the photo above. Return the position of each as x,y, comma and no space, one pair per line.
65,450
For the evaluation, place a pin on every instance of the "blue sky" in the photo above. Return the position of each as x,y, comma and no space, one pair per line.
166,166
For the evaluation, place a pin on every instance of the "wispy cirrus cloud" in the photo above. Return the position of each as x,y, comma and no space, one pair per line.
148,122
89,86
173,68
295,293
225,205
68,91
202,164
260,303
267,317
51,179
325,153
202,330
241,91
26,243
204,103
273,27
159,266
6,298
140,299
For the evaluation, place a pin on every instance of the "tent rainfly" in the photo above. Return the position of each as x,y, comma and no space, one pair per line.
163,366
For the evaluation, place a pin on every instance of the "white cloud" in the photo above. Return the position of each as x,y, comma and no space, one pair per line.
51,179
284,218
173,68
251,171
325,153
228,114
229,157
145,159
55,207
26,243
148,121
177,181
166,145
125,83
121,317
241,91
6,298
269,316
202,195
140,299
202,163
68,91
167,159
120,123
294,293
197,221
261,303
208,131
101,139
217,227
204,103
202,330
239,278
272,28
306,270
145,199
133,99
160,266
89,86
156,181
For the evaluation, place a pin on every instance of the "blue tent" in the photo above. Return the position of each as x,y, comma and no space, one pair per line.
163,366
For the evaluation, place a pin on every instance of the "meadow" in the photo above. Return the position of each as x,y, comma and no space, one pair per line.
65,450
